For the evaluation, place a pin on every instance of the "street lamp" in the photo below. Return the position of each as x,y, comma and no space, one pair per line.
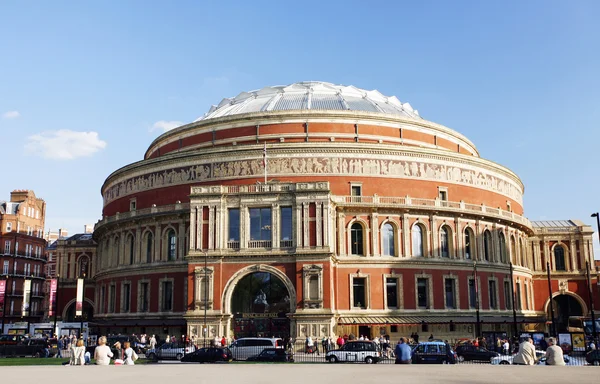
590,292
478,325
205,327
56,304
553,327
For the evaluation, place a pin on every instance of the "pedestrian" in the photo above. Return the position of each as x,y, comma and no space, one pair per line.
403,352
526,354
129,354
118,353
506,347
416,338
325,344
339,342
431,337
554,353
102,353
78,353
153,342
498,345
59,346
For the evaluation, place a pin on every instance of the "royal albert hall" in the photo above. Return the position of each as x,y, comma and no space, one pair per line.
372,220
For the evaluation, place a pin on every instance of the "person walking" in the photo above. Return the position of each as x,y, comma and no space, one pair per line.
554,353
59,347
153,342
526,354
102,353
403,352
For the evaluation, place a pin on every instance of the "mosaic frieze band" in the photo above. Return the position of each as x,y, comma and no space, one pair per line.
289,166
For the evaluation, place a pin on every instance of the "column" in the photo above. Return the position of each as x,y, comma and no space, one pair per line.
496,257
211,227
275,226
298,224
341,233
181,252
199,227
479,241
406,235
218,227
458,233
193,215
306,225
572,253
243,226
434,237
586,254
157,242
326,225
375,233
138,246
319,226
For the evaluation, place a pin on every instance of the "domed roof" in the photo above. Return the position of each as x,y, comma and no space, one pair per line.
314,95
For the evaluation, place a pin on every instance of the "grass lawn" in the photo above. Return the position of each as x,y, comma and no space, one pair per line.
20,361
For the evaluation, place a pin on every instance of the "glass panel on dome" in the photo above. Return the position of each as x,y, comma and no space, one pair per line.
360,104
290,102
326,102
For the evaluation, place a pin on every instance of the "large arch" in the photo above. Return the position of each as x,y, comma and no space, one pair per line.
239,275
562,314
70,307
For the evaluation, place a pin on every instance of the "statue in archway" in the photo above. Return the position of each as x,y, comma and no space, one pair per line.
261,298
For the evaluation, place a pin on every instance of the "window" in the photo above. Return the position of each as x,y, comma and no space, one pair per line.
356,190
132,205
356,239
9,227
131,242
518,296
507,296
111,299
126,297
493,294
149,241
417,241
388,240
5,267
487,245
450,291
444,238
559,258
260,224
443,195
468,238
391,292
167,296
359,293
502,243
234,226
286,227
422,293
473,302
144,296
84,266
313,287
172,243
7,247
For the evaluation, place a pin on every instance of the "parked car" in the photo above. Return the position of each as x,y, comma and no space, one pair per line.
593,357
433,352
355,352
272,355
169,351
25,347
250,346
11,339
473,353
208,355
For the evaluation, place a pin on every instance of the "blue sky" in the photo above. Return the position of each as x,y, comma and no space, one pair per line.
520,79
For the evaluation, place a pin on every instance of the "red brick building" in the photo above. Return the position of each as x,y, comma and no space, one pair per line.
373,220
22,256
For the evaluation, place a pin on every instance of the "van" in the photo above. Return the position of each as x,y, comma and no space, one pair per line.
243,348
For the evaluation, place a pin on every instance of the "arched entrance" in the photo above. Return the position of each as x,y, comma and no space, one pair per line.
69,313
564,306
259,302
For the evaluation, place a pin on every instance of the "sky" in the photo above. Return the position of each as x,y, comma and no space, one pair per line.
85,86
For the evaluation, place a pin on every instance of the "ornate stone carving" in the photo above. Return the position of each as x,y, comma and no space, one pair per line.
563,286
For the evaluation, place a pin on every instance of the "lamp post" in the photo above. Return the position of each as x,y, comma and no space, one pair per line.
591,297
553,326
82,303
478,325
514,303
205,326
56,304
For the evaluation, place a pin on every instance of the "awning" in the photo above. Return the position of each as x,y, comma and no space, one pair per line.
138,323
416,320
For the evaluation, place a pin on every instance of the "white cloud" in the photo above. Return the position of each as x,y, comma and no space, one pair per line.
11,115
64,144
166,125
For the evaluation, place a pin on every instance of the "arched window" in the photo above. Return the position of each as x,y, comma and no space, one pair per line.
559,258
84,267
172,244
131,243
388,240
469,237
502,243
444,240
513,251
487,245
149,247
356,239
417,241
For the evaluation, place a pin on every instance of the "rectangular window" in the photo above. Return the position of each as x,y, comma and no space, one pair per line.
518,296
391,292
7,247
472,294
167,293
234,226
493,294
145,295
260,226
356,190
422,293
111,299
286,227
126,297
313,287
507,295
358,292
132,205
5,268
443,195
450,290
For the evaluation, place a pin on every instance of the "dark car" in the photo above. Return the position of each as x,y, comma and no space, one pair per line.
593,357
473,353
25,347
433,353
11,339
208,355
272,355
